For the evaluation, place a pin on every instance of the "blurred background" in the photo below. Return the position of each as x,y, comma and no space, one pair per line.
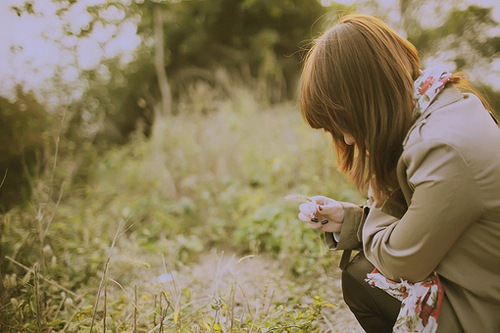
169,132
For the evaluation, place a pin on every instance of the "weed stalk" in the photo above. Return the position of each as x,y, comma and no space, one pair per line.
37,299
154,312
105,277
105,300
135,309
161,315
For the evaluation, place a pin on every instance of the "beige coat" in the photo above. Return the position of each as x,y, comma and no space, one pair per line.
446,216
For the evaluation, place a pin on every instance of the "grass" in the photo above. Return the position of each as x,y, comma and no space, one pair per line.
184,231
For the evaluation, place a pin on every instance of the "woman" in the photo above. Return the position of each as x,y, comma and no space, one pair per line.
430,155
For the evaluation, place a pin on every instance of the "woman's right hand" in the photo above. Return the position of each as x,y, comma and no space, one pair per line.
322,214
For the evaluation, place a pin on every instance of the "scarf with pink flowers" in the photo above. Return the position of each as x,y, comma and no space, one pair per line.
427,86
421,301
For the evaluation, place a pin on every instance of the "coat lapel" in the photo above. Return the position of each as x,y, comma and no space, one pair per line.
398,202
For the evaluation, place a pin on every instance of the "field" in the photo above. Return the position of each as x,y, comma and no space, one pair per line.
183,231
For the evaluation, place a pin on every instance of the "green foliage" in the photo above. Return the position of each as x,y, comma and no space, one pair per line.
256,41
227,33
463,31
25,129
198,183
211,179
276,230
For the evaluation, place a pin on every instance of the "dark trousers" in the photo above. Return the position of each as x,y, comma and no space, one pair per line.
375,310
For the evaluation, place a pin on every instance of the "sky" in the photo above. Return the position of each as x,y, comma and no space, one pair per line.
495,4
33,48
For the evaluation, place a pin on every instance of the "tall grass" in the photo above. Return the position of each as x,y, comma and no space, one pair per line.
208,242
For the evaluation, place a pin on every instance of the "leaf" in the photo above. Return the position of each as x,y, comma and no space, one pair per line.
57,323
17,10
206,325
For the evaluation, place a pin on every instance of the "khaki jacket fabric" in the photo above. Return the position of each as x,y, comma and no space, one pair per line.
446,215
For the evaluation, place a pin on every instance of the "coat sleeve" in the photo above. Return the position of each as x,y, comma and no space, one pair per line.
445,202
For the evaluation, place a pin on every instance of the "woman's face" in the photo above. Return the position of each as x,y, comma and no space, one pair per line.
348,139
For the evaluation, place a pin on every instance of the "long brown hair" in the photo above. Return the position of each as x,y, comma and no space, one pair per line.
358,79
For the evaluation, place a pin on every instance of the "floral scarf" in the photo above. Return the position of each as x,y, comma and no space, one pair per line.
421,301
427,86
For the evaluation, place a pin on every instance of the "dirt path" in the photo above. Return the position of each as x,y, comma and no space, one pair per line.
216,272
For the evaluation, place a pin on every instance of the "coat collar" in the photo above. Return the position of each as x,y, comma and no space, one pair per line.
447,96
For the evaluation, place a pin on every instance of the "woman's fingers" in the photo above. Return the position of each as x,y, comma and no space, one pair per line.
320,200
328,227
308,209
333,210
328,209
304,218
315,226
322,213
332,227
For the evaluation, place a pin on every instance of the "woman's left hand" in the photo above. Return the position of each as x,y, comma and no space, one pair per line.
322,214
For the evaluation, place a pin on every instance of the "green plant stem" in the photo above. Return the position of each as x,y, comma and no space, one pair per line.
105,274
282,328
37,299
135,309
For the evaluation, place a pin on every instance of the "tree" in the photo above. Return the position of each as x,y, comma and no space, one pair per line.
459,34
466,41
24,130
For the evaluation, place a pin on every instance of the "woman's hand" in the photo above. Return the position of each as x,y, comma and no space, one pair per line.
323,214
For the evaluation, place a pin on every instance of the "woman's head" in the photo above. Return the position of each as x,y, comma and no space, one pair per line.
358,81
